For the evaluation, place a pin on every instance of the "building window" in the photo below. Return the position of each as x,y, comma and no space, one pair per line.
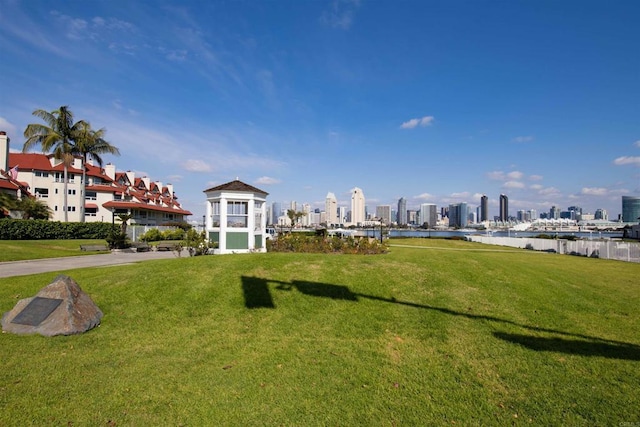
91,195
42,193
90,211
42,174
71,192
215,214
237,214
71,208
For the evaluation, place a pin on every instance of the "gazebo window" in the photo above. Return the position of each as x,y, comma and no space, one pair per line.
237,214
215,214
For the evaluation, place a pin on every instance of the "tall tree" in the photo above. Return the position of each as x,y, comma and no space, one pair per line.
90,143
58,135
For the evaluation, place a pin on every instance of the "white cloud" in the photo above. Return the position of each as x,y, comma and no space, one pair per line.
513,184
461,195
522,139
515,175
424,196
501,176
175,178
496,175
424,121
637,143
7,126
267,180
194,165
549,191
340,14
535,177
627,160
536,187
594,191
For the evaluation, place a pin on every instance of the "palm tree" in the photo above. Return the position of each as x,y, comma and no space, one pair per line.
90,142
58,135
33,209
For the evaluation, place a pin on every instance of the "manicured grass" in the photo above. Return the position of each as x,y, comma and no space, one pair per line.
455,334
18,250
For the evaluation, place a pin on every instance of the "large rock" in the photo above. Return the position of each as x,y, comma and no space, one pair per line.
60,308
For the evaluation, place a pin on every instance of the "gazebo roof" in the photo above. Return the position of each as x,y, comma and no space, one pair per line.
237,185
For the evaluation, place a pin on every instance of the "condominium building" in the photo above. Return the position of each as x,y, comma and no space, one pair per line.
107,193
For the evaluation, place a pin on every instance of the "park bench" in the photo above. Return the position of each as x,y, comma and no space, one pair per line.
167,246
94,248
141,246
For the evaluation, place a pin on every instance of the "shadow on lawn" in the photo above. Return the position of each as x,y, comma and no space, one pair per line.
257,295
577,347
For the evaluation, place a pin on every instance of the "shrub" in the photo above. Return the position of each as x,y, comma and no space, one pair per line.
152,235
197,243
295,242
19,229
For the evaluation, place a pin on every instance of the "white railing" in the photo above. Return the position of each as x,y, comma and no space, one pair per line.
607,249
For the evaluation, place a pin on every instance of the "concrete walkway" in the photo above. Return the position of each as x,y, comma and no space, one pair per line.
35,266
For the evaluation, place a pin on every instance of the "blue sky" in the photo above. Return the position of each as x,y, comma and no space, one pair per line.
437,102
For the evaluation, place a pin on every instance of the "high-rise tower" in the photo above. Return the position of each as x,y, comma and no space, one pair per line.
504,208
331,209
484,208
357,207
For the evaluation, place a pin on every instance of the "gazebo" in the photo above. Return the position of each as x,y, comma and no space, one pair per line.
236,217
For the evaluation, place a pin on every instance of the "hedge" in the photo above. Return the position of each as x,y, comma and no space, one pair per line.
29,229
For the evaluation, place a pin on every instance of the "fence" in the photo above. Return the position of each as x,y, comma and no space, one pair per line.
607,249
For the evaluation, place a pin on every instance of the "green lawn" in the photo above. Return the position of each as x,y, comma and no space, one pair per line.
456,334
18,250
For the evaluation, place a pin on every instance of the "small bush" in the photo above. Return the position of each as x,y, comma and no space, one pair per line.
152,235
295,242
29,229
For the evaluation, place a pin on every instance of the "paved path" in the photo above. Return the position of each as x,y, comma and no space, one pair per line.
23,268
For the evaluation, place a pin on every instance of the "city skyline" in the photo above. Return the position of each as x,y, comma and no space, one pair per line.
433,102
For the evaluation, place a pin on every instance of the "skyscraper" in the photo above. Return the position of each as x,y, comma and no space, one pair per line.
402,211
484,208
383,213
358,211
458,215
331,209
630,209
428,215
504,208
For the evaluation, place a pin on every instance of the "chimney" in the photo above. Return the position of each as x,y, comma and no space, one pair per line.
4,151
110,171
131,176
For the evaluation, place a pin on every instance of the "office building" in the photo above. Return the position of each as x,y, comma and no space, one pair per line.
630,209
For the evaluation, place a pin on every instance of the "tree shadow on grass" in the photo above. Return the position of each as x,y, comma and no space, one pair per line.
577,347
257,295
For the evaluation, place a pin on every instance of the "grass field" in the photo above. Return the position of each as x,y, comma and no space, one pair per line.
19,250
454,333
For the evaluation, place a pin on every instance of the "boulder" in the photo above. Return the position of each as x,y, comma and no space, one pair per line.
60,308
